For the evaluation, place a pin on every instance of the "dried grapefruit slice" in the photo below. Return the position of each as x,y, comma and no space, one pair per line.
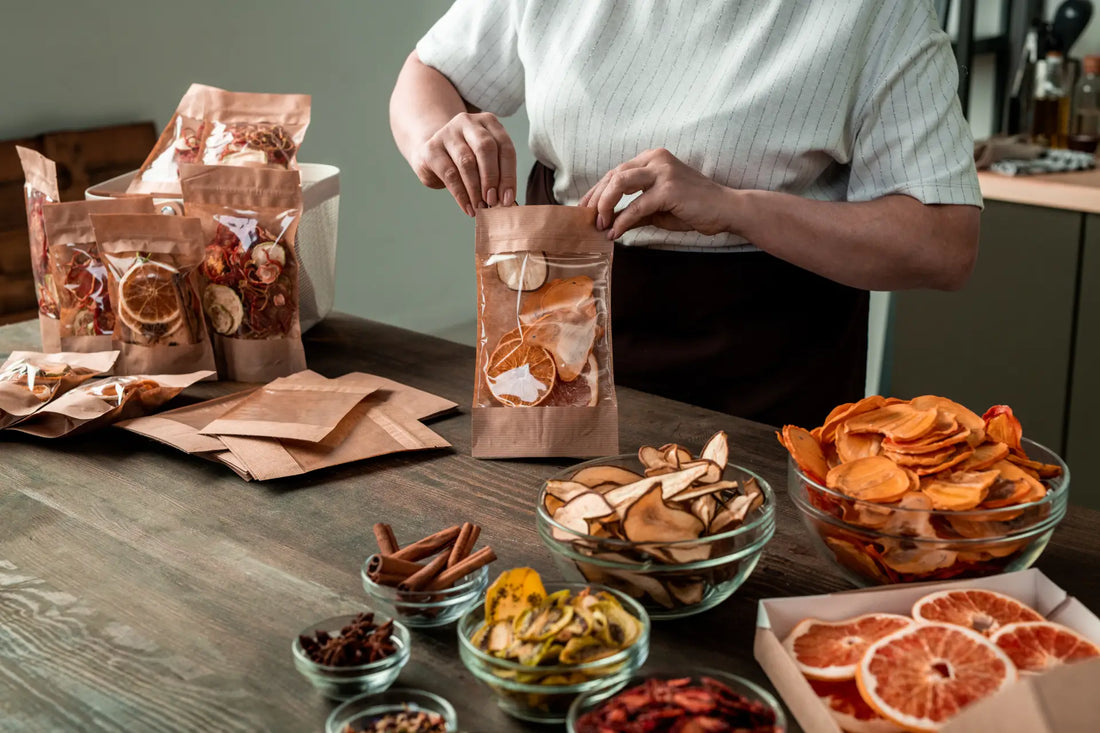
874,478
1037,646
850,711
830,650
923,675
984,611
148,294
520,374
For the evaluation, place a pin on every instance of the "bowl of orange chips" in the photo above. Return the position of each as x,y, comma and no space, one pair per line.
901,491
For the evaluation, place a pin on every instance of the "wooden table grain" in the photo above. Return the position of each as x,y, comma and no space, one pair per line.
143,589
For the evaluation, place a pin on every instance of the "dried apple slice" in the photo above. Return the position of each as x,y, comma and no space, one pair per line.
717,449
650,519
595,475
520,270
875,478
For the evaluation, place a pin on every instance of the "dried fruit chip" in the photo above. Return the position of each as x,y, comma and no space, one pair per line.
875,478
521,374
805,450
828,650
1037,646
984,611
521,270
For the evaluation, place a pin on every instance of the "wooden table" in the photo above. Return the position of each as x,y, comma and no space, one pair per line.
143,589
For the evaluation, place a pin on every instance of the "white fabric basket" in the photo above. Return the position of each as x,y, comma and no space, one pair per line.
316,234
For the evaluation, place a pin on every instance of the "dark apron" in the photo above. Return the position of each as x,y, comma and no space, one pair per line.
747,334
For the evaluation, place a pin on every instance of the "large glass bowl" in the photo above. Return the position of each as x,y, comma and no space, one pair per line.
343,682
591,700
717,565
876,544
359,711
544,693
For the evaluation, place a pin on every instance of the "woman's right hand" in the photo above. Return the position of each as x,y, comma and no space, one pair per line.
473,158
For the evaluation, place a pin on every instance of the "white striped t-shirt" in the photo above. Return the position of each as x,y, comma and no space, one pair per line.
837,100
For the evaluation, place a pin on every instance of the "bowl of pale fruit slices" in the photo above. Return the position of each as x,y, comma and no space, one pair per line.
899,491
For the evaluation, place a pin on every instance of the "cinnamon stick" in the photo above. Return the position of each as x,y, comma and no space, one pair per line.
390,565
425,575
451,575
387,579
429,545
467,536
387,541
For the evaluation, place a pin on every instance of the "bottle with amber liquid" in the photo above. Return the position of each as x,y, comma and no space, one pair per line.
1085,131
1050,120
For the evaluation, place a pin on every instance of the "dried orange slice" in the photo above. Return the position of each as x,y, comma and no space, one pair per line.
805,450
850,711
875,478
923,675
1037,646
984,611
148,295
961,490
830,650
520,374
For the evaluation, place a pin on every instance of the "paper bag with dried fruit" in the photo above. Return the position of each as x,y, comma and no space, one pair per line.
83,299
249,274
151,261
101,402
544,383
179,142
40,189
30,379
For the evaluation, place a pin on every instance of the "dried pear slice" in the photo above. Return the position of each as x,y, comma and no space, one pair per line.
650,519
544,622
594,476
714,471
717,449
223,307
584,649
731,516
520,270
704,507
566,490
688,593
513,591
650,457
693,492
577,511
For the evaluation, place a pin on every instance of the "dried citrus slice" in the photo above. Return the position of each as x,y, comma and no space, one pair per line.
805,450
1037,646
874,478
850,711
520,374
923,675
984,611
830,650
148,294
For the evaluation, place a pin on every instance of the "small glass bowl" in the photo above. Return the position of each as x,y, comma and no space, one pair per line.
666,589
340,683
754,693
877,544
425,609
361,710
549,703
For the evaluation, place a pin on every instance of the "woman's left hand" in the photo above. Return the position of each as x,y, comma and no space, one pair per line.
674,196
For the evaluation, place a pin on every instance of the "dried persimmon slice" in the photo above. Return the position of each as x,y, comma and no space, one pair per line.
1044,470
874,478
1001,424
965,417
520,374
846,411
805,450
962,452
853,446
985,455
897,421
960,490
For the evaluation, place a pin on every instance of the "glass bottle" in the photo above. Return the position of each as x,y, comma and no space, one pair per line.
1050,123
1085,132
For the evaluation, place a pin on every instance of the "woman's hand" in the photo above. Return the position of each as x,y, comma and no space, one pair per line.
473,158
674,197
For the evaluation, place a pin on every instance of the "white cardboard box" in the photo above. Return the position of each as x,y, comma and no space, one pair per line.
1065,700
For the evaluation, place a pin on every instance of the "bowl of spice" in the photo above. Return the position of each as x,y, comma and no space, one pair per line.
659,703
430,582
538,647
346,656
393,711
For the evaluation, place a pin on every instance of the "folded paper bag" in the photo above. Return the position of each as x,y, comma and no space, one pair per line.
29,380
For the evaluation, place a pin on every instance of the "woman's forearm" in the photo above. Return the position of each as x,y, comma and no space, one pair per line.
423,101
891,243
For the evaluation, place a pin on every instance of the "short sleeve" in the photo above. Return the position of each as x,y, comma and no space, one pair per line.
909,134
475,45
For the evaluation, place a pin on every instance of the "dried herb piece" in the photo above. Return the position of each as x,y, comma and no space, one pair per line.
660,706
410,721
360,642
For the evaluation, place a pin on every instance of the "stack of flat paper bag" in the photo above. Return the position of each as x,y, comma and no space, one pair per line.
301,423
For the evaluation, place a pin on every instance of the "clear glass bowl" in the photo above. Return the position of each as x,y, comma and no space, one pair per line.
549,703
591,700
425,609
359,711
343,682
666,589
876,544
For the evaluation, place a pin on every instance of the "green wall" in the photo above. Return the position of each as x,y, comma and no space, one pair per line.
405,253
